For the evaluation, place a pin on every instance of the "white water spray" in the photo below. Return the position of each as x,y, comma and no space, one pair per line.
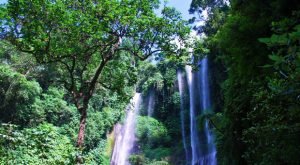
124,141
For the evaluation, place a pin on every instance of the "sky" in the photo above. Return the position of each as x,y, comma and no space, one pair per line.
182,6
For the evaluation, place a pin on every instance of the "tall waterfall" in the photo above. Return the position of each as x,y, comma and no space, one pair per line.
209,157
150,108
203,149
193,125
124,141
180,79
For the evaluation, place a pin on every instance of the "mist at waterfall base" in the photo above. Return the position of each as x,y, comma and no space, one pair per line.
125,135
202,150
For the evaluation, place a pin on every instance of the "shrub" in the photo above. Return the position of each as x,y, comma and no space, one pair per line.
40,145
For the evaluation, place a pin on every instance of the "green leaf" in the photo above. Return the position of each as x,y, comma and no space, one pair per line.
276,58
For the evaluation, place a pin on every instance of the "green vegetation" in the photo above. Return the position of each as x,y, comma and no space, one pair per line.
254,51
68,70
88,41
42,144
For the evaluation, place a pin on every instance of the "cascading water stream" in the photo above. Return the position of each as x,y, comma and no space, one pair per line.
203,150
180,79
209,158
150,107
193,125
124,141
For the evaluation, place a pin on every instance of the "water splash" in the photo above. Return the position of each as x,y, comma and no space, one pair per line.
180,79
124,141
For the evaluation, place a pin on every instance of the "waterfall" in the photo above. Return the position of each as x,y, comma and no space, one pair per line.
180,79
124,141
150,107
193,125
203,149
209,157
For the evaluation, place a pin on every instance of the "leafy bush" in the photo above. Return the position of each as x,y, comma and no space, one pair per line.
17,94
98,156
55,109
137,159
40,145
142,160
158,153
158,163
152,130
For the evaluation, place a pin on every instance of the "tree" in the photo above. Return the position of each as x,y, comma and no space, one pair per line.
216,13
17,95
81,37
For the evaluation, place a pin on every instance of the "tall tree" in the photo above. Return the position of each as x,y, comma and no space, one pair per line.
82,37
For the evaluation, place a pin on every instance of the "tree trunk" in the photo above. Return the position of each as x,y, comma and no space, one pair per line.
80,138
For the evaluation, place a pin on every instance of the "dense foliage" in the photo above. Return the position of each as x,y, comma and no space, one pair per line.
66,64
257,44
39,125
69,68
84,41
42,144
